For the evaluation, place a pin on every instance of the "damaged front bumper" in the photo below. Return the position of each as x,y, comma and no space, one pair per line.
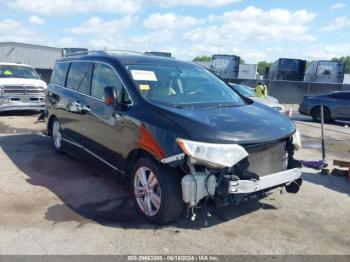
265,182
199,185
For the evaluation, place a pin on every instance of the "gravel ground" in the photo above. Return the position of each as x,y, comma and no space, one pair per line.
55,204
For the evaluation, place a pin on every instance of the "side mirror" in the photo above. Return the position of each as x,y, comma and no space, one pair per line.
124,98
110,95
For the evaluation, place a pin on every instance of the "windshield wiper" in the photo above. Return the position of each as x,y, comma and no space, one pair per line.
183,106
221,106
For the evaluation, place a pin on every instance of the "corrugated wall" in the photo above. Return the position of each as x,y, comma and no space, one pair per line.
36,56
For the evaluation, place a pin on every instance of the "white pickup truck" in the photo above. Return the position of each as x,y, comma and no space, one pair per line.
21,88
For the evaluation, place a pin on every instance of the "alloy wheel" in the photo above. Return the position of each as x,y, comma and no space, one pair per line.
56,134
147,191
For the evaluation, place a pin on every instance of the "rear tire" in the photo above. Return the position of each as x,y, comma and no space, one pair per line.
316,114
56,135
157,191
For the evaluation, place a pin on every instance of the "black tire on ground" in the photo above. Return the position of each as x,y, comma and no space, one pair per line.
57,145
316,114
168,190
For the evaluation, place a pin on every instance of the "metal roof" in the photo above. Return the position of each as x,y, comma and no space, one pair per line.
37,56
28,45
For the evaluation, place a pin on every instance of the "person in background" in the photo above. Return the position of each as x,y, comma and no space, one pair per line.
261,90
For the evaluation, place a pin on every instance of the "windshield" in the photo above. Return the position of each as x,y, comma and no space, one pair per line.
244,90
14,71
180,85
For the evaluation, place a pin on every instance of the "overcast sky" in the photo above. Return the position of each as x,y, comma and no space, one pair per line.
255,30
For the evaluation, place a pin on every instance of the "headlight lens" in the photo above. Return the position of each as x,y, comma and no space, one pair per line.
214,155
296,140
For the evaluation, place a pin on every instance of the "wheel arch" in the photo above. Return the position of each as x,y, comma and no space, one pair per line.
133,156
319,106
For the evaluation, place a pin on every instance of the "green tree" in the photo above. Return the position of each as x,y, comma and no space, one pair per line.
202,58
308,62
241,61
345,60
262,67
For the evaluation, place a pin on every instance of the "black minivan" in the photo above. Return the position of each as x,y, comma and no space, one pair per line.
176,131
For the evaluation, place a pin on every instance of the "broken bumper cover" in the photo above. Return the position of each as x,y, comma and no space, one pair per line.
265,182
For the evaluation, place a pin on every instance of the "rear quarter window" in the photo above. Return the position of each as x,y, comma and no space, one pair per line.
59,74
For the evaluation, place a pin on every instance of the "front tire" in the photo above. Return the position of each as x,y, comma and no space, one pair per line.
316,114
156,191
56,135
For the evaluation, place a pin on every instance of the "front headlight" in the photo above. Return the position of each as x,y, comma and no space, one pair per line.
296,140
214,155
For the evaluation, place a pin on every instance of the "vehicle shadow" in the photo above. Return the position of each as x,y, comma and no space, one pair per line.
336,183
90,193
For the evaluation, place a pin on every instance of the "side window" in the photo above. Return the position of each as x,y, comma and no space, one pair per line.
59,74
104,76
79,77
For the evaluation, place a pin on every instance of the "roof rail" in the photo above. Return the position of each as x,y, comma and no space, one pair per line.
125,52
103,52
84,53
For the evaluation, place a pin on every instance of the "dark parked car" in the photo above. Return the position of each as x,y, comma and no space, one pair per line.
336,106
175,130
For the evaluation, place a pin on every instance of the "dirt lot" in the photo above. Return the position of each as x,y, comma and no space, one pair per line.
55,204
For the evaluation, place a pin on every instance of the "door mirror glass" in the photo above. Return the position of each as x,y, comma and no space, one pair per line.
124,98
109,95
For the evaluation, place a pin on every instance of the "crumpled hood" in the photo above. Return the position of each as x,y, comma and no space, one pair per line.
22,81
247,124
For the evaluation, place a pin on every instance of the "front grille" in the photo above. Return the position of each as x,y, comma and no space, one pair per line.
22,90
267,159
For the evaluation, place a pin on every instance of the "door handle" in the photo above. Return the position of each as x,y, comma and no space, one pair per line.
79,107
77,103
86,109
117,116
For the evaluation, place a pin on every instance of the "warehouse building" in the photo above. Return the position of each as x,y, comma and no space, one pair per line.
42,58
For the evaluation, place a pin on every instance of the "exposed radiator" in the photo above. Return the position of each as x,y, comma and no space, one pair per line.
267,159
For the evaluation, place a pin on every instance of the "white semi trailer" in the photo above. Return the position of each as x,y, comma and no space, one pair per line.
247,71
